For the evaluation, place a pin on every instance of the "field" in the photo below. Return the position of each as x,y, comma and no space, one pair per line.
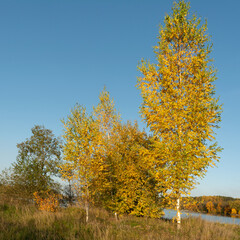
26,222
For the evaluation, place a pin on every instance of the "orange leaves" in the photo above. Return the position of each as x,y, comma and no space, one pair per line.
50,201
233,211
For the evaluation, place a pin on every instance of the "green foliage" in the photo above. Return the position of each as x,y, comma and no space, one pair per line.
36,164
235,204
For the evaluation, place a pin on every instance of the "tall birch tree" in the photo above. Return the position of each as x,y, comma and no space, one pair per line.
179,105
106,119
79,151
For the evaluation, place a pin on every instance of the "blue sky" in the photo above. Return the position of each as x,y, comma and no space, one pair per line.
54,54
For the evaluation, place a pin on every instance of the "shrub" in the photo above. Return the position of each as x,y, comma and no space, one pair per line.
47,201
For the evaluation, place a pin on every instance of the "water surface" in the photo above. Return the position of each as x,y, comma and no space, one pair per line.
221,219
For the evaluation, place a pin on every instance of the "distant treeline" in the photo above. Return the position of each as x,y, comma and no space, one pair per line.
219,205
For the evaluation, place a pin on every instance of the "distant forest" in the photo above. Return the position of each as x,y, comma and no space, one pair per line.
217,205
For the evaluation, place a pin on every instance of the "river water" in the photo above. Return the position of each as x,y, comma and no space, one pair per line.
172,213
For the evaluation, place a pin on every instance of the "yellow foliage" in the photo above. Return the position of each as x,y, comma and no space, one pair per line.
109,162
106,119
136,186
88,149
79,150
234,211
219,208
178,103
210,207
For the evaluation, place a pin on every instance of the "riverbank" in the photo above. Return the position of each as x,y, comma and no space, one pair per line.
26,222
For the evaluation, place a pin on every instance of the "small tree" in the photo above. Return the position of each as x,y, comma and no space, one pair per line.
219,207
37,161
106,119
136,192
6,185
210,207
79,151
124,183
179,104
235,204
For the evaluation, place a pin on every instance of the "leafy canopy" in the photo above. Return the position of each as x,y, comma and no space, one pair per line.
37,161
178,104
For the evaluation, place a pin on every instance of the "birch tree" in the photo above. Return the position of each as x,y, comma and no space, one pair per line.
79,152
106,119
179,105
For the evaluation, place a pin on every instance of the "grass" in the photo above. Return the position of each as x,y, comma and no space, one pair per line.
20,222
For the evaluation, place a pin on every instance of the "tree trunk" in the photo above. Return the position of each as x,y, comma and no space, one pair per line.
116,216
87,210
178,214
87,204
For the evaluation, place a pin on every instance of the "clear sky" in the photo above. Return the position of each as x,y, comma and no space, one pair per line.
55,53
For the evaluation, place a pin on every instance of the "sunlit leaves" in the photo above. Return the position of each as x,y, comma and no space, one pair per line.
136,186
110,162
79,148
178,101
47,201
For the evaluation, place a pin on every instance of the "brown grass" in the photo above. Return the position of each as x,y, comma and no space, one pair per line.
26,222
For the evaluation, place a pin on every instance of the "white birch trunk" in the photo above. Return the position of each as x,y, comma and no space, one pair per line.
87,210
87,204
178,214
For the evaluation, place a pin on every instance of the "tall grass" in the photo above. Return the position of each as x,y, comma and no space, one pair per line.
19,222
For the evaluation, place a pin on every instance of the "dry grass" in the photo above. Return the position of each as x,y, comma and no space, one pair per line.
26,222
